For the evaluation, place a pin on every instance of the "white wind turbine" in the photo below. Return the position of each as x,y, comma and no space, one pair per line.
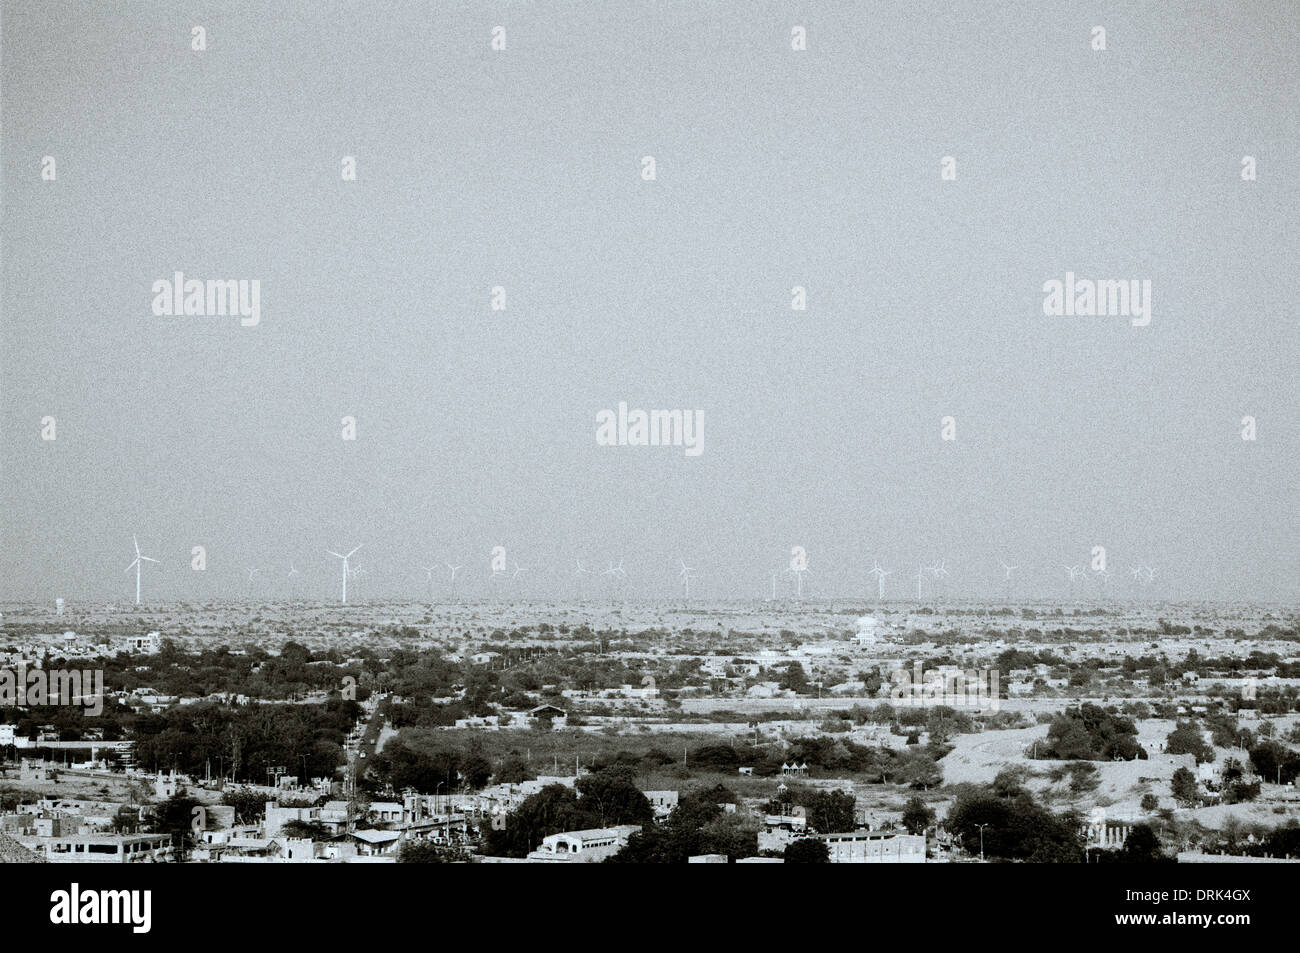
454,570
345,569
1103,577
293,588
1008,570
1074,574
578,574
685,576
939,573
135,564
880,575
428,575
615,573
251,574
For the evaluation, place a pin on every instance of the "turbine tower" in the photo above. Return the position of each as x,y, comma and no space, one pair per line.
685,576
880,575
615,573
345,569
135,564
1008,570
1103,577
454,570
939,573
578,574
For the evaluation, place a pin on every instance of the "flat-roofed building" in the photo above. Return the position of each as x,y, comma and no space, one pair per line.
874,848
589,846
102,848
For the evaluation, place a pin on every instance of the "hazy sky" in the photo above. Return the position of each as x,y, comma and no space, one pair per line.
775,168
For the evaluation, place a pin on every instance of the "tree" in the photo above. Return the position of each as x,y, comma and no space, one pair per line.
696,826
1186,738
426,852
1014,828
917,817
612,797
552,810
1091,733
1142,846
476,771
1183,787
808,850
312,830
176,817
831,812
513,770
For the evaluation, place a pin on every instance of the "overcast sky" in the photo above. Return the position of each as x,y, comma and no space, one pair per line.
775,168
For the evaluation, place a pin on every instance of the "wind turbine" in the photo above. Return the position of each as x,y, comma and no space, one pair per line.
939,573
345,569
880,575
615,573
251,574
578,574
135,563
1103,576
1008,570
685,576
358,575
1074,574
454,570
428,575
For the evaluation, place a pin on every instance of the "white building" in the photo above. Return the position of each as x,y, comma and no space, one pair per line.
590,846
